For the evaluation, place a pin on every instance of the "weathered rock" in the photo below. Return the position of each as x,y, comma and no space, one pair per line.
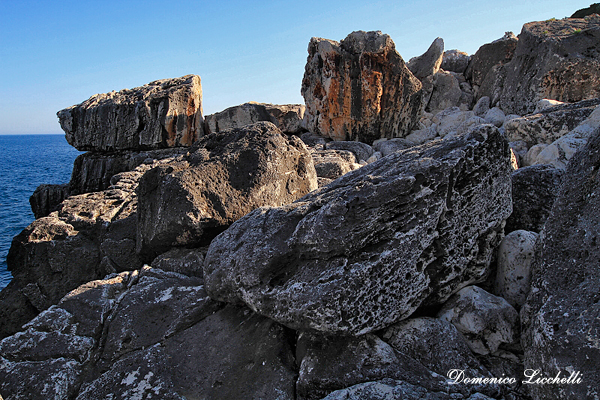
554,59
456,122
359,89
560,318
429,62
140,335
387,147
330,363
550,123
482,106
455,61
368,249
494,116
314,141
422,135
183,261
519,147
16,309
546,103
490,54
288,118
513,274
225,176
446,92
584,12
531,155
46,199
332,164
486,321
362,151
534,190
164,113
92,171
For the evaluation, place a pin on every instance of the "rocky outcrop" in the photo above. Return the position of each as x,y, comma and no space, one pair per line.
225,176
429,62
359,89
46,199
489,55
331,164
288,118
445,92
549,124
584,12
534,190
560,318
455,61
164,113
362,151
554,59
371,247
140,334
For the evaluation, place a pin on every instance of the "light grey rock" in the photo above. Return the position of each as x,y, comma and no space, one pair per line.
482,106
560,318
376,156
513,274
288,118
164,113
495,116
388,147
226,175
454,120
546,103
531,155
368,249
446,92
362,151
365,66
422,135
429,62
331,164
455,61
486,321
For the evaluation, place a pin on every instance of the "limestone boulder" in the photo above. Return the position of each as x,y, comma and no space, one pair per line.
489,55
374,245
445,93
164,113
359,89
455,61
428,63
225,176
288,117
331,164
554,59
486,321
560,317
550,123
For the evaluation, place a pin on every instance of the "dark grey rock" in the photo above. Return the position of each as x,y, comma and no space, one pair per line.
362,151
331,164
46,199
560,319
455,61
446,92
489,55
429,62
164,113
387,147
183,261
534,190
368,249
226,175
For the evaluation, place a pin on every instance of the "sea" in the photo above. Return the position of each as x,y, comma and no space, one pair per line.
27,161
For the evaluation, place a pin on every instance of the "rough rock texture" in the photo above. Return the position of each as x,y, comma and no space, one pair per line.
453,121
46,199
225,176
88,237
92,171
329,363
362,151
549,124
554,59
486,321
368,249
359,89
429,62
445,93
387,147
332,164
140,335
164,113
513,272
592,9
534,190
288,118
482,106
560,319
489,55
495,116
531,156
183,261
455,61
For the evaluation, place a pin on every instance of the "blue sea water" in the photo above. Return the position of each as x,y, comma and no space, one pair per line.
27,161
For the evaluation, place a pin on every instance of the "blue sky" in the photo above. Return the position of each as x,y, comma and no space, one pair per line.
54,54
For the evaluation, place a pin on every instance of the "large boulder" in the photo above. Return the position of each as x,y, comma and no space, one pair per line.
147,334
225,176
455,61
371,247
359,89
160,114
288,118
445,92
554,59
489,55
429,62
561,334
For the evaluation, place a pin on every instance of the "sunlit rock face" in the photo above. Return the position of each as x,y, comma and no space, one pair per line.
359,89
160,114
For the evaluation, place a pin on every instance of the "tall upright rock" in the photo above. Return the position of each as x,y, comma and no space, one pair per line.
359,89
160,114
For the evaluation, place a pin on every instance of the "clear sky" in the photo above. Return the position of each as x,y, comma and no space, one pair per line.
54,54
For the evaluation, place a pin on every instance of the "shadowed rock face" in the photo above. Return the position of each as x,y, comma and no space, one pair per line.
368,249
164,113
359,89
560,317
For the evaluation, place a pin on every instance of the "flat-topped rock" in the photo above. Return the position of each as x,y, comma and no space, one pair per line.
287,117
160,114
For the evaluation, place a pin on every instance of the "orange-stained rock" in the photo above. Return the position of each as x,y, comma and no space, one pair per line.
359,89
